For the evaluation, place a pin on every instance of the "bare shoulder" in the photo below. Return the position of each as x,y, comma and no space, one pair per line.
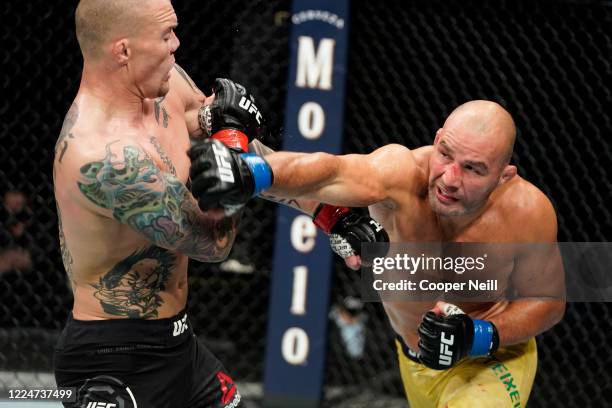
526,198
400,166
392,150
96,146
397,172
394,157
529,208
184,79
185,89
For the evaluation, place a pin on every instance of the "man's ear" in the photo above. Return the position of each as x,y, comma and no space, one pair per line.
121,51
438,136
507,174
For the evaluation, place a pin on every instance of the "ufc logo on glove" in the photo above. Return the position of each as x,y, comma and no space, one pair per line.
225,168
446,354
250,107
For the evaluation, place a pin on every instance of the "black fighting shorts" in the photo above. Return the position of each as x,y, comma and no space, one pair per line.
127,363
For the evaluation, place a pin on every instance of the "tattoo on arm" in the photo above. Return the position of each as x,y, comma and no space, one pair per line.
62,141
285,201
187,79
160,110
156,204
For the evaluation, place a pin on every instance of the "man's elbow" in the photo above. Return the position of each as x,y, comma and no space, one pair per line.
218,253
376,194
223,254
218,256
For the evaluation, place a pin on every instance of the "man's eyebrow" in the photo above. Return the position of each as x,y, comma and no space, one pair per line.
479,164
170,28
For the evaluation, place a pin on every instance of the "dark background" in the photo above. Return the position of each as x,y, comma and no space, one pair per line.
410,64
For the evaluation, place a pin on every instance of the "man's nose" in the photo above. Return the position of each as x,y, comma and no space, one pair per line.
452,176
177,43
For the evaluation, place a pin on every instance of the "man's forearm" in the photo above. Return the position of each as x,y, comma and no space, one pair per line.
206,239
346,180
302,175
524,319
306,206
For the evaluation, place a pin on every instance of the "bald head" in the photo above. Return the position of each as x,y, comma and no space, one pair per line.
488,120
100,21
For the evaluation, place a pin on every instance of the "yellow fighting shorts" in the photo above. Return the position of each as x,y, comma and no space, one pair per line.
501,381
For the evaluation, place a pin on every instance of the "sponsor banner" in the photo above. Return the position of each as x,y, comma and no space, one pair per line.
301,277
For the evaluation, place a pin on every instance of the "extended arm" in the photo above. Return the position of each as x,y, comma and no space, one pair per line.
352,180
346,228
223,178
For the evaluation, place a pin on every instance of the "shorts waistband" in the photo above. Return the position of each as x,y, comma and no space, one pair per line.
158,332
407,351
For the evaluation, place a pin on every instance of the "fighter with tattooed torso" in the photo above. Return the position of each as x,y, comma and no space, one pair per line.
128,223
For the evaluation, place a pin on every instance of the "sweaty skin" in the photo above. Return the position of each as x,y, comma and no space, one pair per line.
461,189
127,222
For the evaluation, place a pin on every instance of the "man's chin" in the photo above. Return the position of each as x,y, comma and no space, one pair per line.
445,210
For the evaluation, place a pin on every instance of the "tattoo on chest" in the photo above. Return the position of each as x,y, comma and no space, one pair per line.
162,154
62,141
132,287
161,112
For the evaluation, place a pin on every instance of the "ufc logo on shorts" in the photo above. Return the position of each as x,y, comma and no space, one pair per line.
250,107
94,404
446,354
180,326
225,169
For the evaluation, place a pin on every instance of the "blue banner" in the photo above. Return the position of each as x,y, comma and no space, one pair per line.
300,286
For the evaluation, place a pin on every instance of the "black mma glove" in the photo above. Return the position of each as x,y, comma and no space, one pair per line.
347,229
444,340
222,177
233,117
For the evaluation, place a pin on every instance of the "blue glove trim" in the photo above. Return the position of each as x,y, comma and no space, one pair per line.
483,338
262,173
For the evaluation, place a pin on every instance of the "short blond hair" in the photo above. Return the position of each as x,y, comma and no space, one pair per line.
98,21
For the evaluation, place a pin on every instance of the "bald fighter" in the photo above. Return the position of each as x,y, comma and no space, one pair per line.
461,189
